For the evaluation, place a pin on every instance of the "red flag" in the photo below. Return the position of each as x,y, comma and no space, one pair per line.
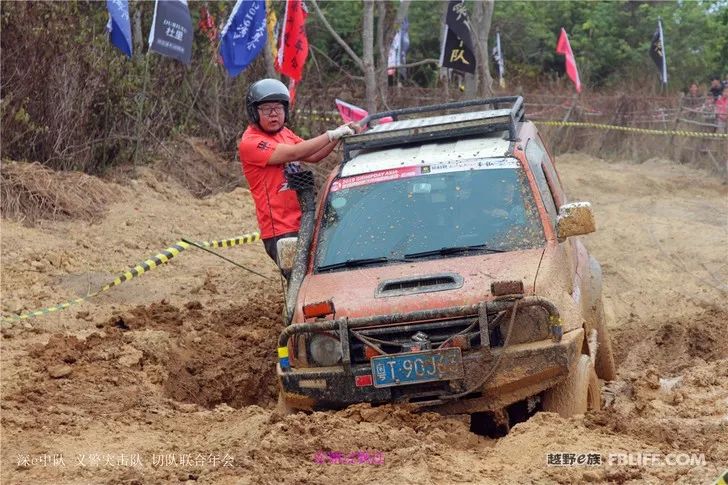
293,50
207,24
563,47
350,112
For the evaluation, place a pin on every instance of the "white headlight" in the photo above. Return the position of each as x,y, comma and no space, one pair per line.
325,350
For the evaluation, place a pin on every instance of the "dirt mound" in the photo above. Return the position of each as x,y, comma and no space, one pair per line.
232,362
199,167
686,412
60,350
673,345
161,316
671,393
30,192
189,355
73,380
451,430
297,448
224,356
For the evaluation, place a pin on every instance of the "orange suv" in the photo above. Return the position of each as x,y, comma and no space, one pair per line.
442,267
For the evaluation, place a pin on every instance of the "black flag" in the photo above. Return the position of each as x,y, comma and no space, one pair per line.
172,33
657,52
458,50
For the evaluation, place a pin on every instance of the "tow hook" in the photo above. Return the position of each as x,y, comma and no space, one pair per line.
420,341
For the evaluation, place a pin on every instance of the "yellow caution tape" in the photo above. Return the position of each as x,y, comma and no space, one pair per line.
147,265
723,479
317,116
647,131
235,241
603,126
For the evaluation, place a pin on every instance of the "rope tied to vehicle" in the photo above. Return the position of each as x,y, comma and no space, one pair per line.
498,359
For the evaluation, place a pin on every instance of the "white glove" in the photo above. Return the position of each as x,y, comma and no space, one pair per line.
343,130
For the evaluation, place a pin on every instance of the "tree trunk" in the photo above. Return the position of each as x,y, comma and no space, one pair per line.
385,34
270,70
482,17
383,48
138,39
337,37
370,78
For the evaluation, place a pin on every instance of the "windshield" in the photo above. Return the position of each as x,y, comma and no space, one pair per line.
433,210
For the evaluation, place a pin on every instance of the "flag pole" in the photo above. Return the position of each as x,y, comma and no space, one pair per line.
140,113
501,63
399,61
664,54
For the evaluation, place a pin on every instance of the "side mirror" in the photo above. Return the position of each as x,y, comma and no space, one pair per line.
575,219
286,248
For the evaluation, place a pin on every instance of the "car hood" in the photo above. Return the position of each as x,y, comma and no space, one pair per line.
358,292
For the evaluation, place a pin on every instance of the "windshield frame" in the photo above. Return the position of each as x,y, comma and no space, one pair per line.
523,175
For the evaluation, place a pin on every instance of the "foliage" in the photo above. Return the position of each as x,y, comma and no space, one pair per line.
611,39
345,18
70,100
424,32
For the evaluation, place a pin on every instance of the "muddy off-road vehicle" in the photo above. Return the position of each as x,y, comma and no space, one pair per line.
442,268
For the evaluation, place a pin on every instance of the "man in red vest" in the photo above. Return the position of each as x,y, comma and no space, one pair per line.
267,150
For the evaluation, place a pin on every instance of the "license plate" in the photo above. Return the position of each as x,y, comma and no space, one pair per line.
416,367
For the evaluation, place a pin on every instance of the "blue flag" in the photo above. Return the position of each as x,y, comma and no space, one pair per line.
119,26
243,36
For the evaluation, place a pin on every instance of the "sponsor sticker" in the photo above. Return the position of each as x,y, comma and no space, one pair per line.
413,171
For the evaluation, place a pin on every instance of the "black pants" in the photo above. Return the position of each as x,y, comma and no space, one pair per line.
271,245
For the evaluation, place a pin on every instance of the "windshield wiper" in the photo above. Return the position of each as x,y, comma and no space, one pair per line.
353,263
453,250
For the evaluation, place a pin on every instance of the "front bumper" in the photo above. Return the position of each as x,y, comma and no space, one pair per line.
523,370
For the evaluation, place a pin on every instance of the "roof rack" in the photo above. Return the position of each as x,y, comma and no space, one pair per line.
439,127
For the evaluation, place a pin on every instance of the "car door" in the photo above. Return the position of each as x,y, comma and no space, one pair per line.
553,196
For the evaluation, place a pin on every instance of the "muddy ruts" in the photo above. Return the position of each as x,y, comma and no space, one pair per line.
147,265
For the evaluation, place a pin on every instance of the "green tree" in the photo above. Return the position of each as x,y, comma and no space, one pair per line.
611,39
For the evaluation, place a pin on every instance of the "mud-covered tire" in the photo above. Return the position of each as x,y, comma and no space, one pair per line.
578,393
605,366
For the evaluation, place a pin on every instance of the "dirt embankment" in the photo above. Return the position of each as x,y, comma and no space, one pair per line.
169,377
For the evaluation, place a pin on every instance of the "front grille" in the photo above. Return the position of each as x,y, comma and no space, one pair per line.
392,339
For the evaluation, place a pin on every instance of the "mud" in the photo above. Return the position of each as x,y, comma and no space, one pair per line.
673,345
170,377
231,360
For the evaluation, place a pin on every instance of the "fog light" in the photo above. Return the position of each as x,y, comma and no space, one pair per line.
325,350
